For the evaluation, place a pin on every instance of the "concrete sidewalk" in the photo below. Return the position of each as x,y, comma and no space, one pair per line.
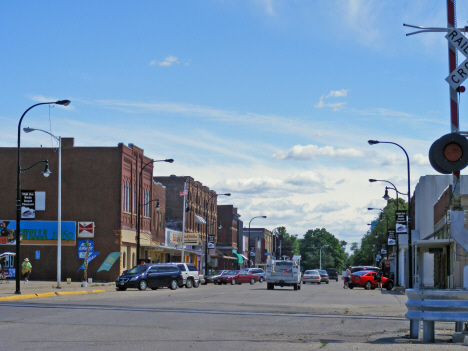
36,289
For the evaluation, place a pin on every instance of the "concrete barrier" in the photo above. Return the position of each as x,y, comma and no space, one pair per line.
430,306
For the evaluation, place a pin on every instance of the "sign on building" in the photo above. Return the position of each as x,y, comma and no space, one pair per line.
28,204
85,229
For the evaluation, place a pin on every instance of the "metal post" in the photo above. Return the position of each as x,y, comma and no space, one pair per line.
59,218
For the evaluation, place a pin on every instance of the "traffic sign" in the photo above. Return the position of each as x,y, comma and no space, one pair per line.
460,74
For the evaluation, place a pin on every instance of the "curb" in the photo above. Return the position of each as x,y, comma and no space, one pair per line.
49,294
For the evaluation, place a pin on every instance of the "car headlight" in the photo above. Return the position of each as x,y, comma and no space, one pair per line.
134,278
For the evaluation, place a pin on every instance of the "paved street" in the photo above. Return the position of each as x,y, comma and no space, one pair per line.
244,317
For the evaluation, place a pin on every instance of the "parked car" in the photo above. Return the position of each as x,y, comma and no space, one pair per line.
311,276
237,277
257,271
189,273
364,268
323,276
154,276
368,280
210,278
332,273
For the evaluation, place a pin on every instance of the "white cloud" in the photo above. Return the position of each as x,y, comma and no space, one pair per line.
329,207
311,152
420,159
168,61
332,94
337,93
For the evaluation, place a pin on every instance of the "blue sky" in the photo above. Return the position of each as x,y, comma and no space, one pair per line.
273,101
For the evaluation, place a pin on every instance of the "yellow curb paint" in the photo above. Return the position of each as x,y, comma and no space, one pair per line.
18,297
97,291
71,293
47,294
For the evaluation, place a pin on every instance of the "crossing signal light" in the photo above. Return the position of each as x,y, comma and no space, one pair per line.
449,153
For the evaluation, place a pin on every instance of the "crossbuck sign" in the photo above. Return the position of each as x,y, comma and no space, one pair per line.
458,40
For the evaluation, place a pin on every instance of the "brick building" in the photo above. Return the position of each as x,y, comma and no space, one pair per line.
99,189
261,240
200,216
228,253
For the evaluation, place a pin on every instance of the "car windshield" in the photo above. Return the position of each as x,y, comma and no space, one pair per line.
231,273
138,269
323,272
311,272
360,273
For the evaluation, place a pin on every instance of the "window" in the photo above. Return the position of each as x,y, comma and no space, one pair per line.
123,259
182,267
191,267
133,198
133,259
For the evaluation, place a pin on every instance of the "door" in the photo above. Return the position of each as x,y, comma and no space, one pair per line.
184,272
152,277
244,277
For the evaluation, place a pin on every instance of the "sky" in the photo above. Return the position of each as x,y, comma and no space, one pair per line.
272,101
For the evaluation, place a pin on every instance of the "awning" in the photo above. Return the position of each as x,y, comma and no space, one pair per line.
239,258
199,219
245,258
438,243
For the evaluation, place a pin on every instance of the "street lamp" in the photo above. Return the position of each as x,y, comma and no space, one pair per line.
249,236
59,212
206,229
18,188
321,255
410,253
169,160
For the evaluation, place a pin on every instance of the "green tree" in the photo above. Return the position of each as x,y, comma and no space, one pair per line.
333,251
289,243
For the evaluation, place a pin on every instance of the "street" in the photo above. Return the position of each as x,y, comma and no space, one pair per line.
212,317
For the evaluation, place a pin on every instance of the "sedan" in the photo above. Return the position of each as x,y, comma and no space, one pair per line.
324,276
368,280
311,277
237,277
211,278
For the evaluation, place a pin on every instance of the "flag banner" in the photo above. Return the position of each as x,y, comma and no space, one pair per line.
90,258
109,261
183,192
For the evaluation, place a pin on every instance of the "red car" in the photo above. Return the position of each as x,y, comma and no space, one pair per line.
237,277
368,280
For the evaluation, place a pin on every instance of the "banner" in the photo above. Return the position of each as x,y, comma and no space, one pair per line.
90,258
28,204
400,222
109,261
391,237
37,233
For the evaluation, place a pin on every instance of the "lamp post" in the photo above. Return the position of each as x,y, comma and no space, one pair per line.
206,229
386,197
59,211
18,188
169,160
249,236
410,252
321,255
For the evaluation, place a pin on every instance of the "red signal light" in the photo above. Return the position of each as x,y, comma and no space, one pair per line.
461,89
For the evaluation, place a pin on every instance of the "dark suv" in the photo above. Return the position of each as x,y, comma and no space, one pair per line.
332,273
152,276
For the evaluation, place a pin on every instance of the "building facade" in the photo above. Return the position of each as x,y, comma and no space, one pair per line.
99,206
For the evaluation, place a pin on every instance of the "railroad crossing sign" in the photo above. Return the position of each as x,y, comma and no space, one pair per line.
460,74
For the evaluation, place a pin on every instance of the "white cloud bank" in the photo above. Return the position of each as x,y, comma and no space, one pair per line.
311,152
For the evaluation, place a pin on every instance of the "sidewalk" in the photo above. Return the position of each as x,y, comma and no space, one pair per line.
36,289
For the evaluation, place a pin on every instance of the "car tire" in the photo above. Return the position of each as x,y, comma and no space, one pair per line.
350,286
319,282
270,286
303,282
173,285
142,285
121,289
368,285
196,284
189,284
336,279
252,281
154,288
328,282
233,282
295,287
389,286
261,279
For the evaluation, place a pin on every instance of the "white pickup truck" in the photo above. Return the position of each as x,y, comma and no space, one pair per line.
283,273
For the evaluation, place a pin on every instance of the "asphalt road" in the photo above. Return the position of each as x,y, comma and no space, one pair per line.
241,317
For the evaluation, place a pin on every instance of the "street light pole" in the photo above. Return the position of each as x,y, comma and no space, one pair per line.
321,255
59,211
410,251
18,190
169,160
249,236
